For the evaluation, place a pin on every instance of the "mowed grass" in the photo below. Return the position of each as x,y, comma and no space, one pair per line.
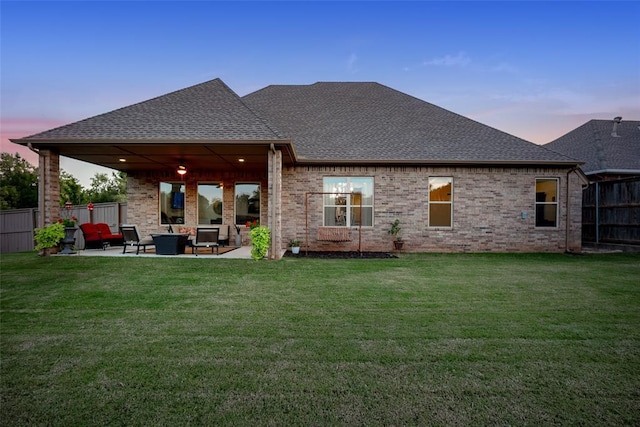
426,339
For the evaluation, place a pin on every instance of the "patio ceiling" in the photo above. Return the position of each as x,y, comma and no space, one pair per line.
154,156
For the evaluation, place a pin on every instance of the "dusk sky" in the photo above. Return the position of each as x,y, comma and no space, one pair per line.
536,70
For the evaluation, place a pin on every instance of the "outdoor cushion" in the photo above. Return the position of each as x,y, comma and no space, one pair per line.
92,236
107,235
223,232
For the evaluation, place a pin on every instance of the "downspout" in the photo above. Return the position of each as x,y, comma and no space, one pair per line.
274,168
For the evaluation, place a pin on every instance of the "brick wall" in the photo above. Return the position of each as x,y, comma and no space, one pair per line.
143,198
488,207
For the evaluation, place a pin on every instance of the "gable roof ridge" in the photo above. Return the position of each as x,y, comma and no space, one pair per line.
135,104
204,111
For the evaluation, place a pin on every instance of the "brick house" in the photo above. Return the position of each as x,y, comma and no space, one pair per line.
331,164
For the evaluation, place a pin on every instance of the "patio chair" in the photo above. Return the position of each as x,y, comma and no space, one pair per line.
132,238
92,236
206,238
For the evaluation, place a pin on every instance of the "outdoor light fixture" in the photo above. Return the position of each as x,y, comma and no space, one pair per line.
182,169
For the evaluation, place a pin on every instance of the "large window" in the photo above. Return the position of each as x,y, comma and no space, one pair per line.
247,202
546,202
440,201
346,195
171,203
210,203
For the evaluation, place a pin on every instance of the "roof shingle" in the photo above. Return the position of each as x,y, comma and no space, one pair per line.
208,111
594,144
369,121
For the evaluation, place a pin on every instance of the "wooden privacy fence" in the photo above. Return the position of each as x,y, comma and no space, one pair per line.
17,226
611,212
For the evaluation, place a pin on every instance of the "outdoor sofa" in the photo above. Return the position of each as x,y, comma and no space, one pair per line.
99,236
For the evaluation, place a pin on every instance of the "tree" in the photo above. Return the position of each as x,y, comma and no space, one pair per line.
105,189
70,189
18,182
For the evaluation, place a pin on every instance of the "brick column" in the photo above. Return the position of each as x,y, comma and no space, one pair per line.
275,203
574,208
48,187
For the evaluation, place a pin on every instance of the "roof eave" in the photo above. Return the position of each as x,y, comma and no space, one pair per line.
439,162
132,141
614,171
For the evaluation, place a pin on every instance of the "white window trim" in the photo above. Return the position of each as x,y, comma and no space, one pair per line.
348,205
556,203
450,203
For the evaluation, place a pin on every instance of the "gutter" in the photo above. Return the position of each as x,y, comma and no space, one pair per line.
615,171
444,162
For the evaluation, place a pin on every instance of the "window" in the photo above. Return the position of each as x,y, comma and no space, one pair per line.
210,203
171,203
440,201
342,206
247,203
546,202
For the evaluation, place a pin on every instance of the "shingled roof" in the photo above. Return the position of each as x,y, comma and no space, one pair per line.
207,111
325,122
602,149
347,122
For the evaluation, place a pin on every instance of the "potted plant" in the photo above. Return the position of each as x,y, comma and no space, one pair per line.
294,244
69,233
48,238
395,232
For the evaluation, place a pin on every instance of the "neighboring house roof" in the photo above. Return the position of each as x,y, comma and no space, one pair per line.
324,122
207,111
602,149
347,122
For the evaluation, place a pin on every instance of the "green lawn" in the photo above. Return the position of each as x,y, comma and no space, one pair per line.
425,339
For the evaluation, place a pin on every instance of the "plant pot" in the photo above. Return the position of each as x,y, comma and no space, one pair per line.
68,240
48,251
295,249
238,240
398,244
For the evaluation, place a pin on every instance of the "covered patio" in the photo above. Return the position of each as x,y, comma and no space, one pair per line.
171,148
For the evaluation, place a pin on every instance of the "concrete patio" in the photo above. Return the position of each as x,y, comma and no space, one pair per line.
243,252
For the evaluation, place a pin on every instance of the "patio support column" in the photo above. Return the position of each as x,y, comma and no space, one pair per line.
574,211
275,202
48,187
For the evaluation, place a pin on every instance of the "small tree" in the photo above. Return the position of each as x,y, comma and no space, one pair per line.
395,230
18,182
71,190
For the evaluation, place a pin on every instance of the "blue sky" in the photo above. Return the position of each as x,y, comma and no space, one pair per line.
536,70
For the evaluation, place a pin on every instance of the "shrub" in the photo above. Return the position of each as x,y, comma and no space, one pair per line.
49,236
261,238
